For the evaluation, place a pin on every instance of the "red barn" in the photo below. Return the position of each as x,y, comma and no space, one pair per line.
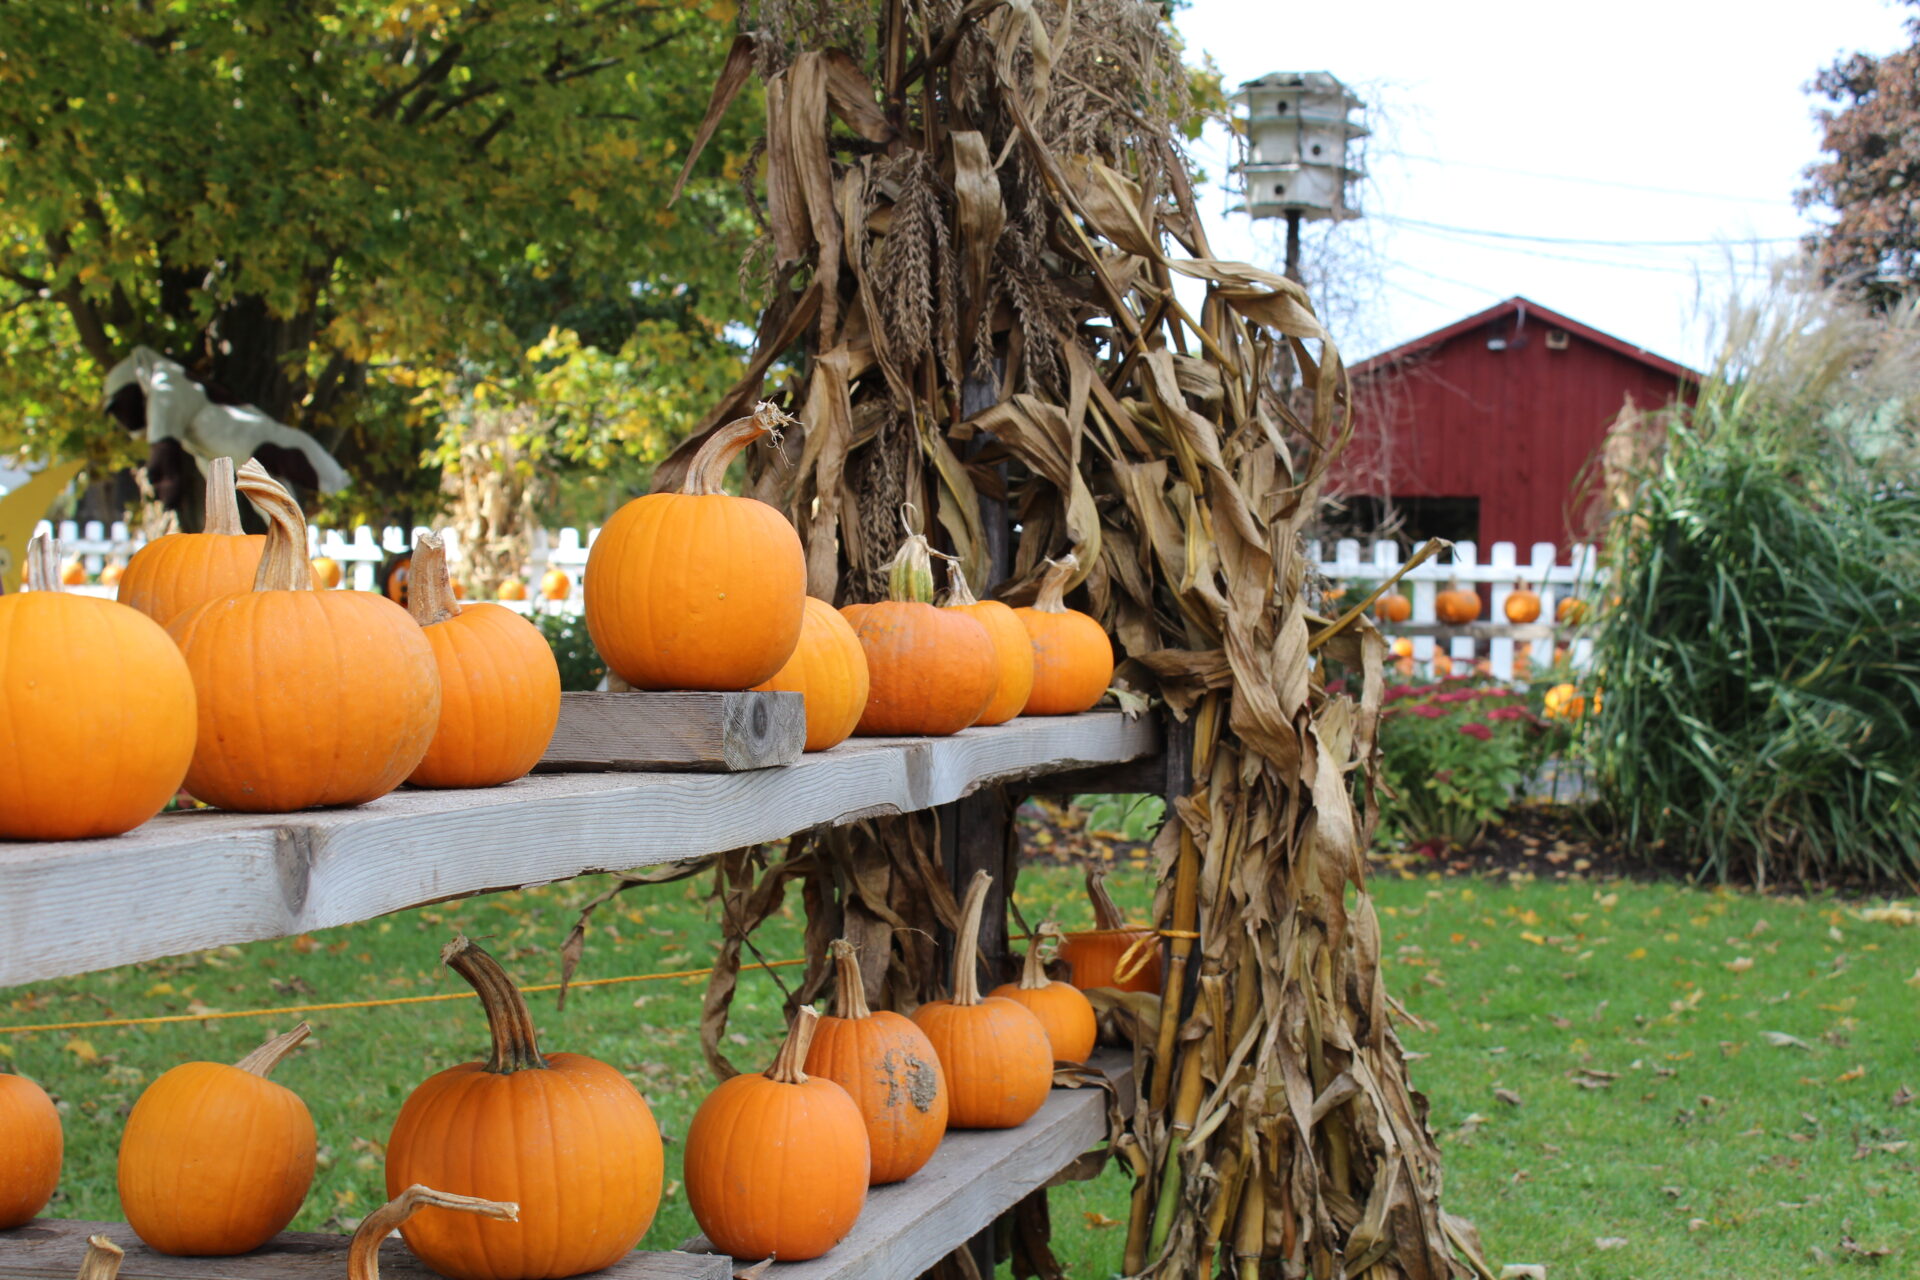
1483,430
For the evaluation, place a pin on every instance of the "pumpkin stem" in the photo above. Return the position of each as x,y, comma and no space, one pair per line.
283,565
1106,914
786,1068
849,989
708,471
966,955
1053,587
430,597
263,1060
516,1047
363,1253
958,592
910,572
222,507
103,1259
1033,973
43,564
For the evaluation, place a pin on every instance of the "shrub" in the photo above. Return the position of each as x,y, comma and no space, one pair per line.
581,670
1455,753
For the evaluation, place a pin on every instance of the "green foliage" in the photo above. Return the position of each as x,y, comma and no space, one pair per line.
1762,671
1454,754
1134,818
581,669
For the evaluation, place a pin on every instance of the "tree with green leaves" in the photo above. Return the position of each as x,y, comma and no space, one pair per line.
321,209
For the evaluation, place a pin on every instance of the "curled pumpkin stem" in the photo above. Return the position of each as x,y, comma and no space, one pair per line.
966,953
706,475
958,592
1106,914
787,1064
103,1259
263,1060
222,506
363,1253
849,987
1033,973
516,1046
43,564
283,565
430,597
1053,586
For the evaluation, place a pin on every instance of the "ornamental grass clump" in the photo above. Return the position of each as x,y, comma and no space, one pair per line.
1761,672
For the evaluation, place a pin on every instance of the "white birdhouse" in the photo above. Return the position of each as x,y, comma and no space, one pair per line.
1297,129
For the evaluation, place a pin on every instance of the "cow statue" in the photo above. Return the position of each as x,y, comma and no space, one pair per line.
184,422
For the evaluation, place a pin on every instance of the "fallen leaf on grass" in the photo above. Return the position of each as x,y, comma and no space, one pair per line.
1740,964
1847,1076
1100,1221
1902,1096
1892,913
1610,1242
1781,1040
82,1049
1696,1224
1523,1271
1507,1096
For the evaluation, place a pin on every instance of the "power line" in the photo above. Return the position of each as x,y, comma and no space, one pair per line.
1603,244
1659,268
1589,182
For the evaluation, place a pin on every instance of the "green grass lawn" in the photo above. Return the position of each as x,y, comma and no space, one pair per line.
1694,1083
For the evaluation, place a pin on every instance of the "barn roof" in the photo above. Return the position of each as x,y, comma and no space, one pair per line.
1525,309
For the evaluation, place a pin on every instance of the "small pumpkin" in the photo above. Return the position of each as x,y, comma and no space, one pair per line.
326,573
555,585
777,1161
499,683
930,671
1571,610
1112,953
1393,607
1456,606
1012,647
1523,606
994,1052
96,711
828,670
699,589
179,571
1072,657
566,1136
363,1251
888,1067
1402,647
512,589
305,697
73,573
1442,664
111,573
395,576
1066,1013
216,1160
30,1132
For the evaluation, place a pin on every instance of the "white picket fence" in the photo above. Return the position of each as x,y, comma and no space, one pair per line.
1546,570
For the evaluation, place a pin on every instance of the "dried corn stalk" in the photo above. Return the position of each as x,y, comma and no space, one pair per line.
984,241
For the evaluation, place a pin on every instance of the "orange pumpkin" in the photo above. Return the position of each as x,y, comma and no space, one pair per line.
698,589
1393,607
30,1129
1072,657
994,1052
555,585
513,589
1571,610
888,1067
828,670
1522,606
96,712
1113,953
1065,1013
363,1251
326,573
179,571
930,671
1442,664
777,1161
305,697
564,1136
499,683
73,573
1456,606
395,576
216,1160
111,573
1012,647
1402,647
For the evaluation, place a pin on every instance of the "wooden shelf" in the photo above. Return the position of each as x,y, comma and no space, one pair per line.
186,882
972,1179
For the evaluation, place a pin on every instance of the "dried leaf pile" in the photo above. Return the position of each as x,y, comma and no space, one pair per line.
981,241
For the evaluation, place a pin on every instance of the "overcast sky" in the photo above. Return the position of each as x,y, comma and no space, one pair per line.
1675,120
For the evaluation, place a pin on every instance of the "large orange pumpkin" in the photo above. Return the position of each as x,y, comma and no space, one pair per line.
564,1136
363,1251
1522,606
30,1133
96,712
305,697
698,589
216,1160
499,683
1062,1009
994,1052
888,1066
777,1161
1072,657
828,670
1113,953
178,571
1012,647
930,671
1457,605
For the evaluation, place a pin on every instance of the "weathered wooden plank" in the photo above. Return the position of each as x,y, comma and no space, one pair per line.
185,882
51,1247
702,732
972,1179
